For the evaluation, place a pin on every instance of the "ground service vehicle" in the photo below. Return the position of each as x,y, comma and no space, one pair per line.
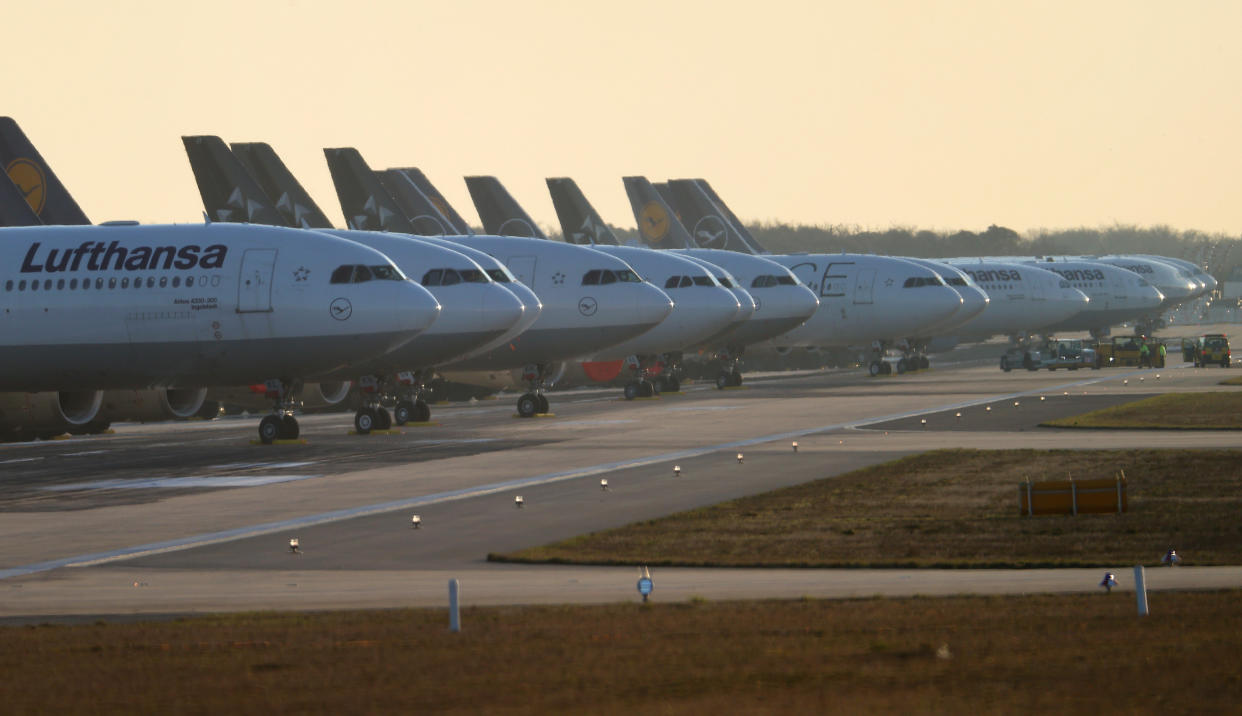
1211,348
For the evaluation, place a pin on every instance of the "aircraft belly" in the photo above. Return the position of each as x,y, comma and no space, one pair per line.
760,329
102,366
553,344
426,350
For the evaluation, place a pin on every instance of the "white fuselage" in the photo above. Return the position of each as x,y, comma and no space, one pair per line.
1022,300
782,303
865,298
128,306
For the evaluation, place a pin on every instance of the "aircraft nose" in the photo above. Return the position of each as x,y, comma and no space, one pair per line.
651,305
974,300
746,305
1152,297
417,308
722,308
802,302
945,303
501,309
531,305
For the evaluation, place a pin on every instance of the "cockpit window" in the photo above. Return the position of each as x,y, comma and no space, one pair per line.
474,276
627,276
957,281
703,281
607,277
433,277
355,273
763,282
451,277
786,280
498,275
591,278
921,281
724,281
686,281
672,282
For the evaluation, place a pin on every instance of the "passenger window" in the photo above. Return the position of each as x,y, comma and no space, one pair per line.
150,282
451,277
176,282
591,278
342,274
8,285
47,285
125,282
672,282
433,277
34,285
362,274
21,285
163,281
112,282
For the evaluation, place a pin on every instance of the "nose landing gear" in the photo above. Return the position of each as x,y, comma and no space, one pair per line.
534,402
280,425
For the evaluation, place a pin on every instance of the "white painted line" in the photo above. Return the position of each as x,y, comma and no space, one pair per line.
20,459
179,482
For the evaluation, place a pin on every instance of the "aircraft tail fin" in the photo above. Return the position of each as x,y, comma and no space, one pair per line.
14,210
290,199
500,212
229,193
423,215
367,205
47,197
420,180
657,224
738,226
708,225
580,223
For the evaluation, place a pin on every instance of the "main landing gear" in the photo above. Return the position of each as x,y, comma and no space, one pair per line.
730,375
280,425
534,402
645,386
409,407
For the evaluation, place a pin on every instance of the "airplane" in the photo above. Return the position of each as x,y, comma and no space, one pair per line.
35,412
864,299
1116,294
126,306
573,322
475,309
937,336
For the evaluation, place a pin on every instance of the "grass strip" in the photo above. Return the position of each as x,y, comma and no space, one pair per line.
1172,411
946,508
1076,654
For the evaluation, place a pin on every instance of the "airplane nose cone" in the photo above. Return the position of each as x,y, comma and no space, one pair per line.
416,308
531,305
974,301
746,305
1152,297
501,309
651,305
802,302
722,309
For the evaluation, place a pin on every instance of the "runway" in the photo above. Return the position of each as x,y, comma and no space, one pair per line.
186,517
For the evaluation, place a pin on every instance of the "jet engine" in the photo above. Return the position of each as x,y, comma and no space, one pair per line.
31,415
148,406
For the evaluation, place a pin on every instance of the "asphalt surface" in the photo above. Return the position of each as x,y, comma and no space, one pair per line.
191,517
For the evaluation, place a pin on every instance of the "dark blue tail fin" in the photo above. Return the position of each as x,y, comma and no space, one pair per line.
417,206
14,210
737,224
500,212
657,224
708,225
424,185
47,197
580,223
367,205
288,196
229,193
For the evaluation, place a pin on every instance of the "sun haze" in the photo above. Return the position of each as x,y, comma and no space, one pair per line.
937,115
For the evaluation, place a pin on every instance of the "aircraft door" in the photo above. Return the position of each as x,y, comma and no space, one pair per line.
523,268
254,285
864,283
1038,292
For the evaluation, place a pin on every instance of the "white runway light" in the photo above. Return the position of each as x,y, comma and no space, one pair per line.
739,458
1015,403
795,446
923,422
1041,398
416,522
603,484
1108,582
958,416
677,471
518,501
987,409
294,546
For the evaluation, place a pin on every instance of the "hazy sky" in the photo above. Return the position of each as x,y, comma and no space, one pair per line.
939,115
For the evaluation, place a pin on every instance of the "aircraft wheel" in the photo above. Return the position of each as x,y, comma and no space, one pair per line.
902,366
659,385
269,429
289,429
528,405
875,368
403,412
1004,364
672,385
544,407
364,421
722,381
736,379
422,412
383,420
646,389
632,390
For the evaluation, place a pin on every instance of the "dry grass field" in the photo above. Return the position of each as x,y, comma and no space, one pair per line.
1083,654
1172,411
948,508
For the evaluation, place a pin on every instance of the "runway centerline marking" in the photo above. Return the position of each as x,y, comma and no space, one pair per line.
203,540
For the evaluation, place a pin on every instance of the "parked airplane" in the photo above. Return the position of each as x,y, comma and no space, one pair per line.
123,306
591,301
476,310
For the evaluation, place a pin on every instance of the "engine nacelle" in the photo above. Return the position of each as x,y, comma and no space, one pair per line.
147,406
48,414
254,398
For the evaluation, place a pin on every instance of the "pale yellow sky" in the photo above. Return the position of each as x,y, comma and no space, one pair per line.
938,115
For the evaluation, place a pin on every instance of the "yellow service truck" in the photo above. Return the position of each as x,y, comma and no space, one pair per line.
1128,351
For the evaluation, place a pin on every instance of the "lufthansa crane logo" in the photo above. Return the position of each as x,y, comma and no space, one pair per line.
28,176
587,306
341,309
709,232
653,222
